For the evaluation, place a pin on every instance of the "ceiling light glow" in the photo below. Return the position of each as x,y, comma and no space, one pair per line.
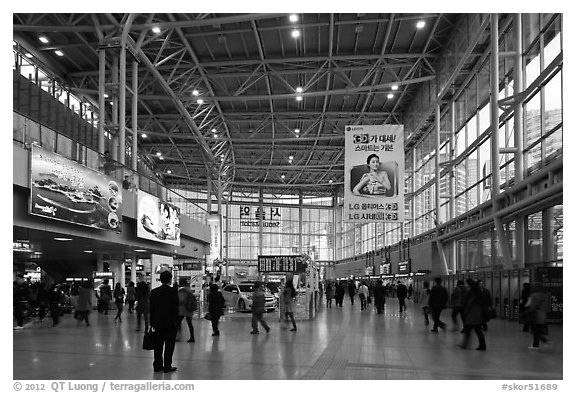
291,157
195,93
283,176
293,18
156,30
88,251
158,153
59,53
420,24
200,101
168,171
298,98
43,39
297,130
144,136
63,239
390,96
394,87
295,33
298,89
214,130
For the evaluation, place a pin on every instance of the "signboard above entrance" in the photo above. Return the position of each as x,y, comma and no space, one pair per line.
281,264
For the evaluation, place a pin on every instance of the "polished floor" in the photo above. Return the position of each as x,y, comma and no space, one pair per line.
340,344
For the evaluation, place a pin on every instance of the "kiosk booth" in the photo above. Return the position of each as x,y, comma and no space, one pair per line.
304,275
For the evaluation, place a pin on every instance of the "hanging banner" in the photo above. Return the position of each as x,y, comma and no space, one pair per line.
65,190
158,220
374,173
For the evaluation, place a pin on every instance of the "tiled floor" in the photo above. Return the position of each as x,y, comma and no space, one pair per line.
339,344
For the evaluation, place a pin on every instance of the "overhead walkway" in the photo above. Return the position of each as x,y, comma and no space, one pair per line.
341,343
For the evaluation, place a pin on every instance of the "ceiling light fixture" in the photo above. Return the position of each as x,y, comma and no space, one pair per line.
298,98
139,250
282,176
390,96
169,171
156,30
195,93
162,158
420,24
293,18
297,130
394,87
214,130
144,136
330,181
200,101
298,89
158,153
43,39
29,55
59,53
88,251
63,239
295,33
215,135
291,158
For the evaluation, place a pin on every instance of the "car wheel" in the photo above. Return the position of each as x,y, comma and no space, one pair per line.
241,305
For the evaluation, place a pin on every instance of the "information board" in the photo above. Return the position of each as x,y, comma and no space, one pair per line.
281,264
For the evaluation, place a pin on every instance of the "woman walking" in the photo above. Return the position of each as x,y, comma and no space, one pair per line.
329,294
119,300
142,296
84,302
423,300
130,296
475,313
288,297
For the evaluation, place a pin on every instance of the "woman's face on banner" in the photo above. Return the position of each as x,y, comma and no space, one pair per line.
374,163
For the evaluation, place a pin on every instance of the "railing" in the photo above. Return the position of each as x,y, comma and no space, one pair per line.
27,131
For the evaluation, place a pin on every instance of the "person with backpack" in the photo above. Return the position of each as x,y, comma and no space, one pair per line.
187,306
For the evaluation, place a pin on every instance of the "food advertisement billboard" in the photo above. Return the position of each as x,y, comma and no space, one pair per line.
65,190
157,220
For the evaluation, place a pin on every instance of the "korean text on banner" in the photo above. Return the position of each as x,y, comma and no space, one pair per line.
374,173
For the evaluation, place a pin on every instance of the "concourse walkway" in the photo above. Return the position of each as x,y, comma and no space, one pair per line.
340,344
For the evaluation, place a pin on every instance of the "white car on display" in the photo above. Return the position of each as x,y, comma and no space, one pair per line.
240,296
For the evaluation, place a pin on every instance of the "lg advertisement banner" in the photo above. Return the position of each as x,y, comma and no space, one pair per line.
157,220
65,190
374,173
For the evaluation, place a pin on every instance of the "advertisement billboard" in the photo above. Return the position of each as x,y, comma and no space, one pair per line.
374,173
157,220
65,190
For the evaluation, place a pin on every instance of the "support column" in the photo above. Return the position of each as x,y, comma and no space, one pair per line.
134,165
114,91
453,180
494,151
518,135
122,107
101,99
443,262
133,276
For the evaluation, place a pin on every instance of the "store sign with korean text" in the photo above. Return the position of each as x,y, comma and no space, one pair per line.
65,190
374,173
281,264
250,216
404,267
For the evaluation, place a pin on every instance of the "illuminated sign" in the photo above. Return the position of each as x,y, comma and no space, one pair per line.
281,264
251,218
157,220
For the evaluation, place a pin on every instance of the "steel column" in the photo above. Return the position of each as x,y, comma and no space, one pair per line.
444,264
101,98
134,165
122,107
518,134
114,151
494,151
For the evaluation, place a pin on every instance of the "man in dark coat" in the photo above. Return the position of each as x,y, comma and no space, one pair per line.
351,291
379,296
437,302
401,292
164,320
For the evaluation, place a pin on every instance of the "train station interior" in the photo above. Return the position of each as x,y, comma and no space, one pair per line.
335,151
